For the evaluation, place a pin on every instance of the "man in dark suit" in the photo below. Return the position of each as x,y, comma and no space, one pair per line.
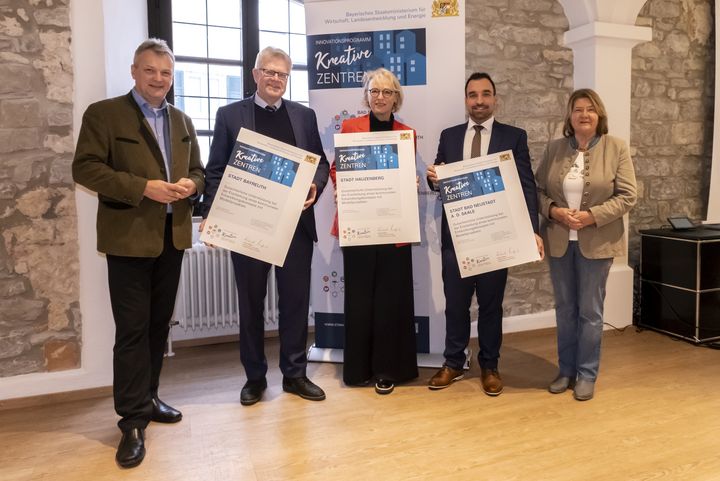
269,114
140,154
480,135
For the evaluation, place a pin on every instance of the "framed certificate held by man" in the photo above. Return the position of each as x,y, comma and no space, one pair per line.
486,212
376,188
260,198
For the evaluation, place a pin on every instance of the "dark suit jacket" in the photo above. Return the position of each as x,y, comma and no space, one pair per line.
116,155
228,122
504,137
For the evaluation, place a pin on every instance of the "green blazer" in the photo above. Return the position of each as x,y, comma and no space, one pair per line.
116,155
610,191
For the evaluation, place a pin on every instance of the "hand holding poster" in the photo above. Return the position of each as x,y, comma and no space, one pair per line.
486,212
376,188
260,198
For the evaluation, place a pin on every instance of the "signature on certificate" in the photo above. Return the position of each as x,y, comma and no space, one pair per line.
254,244
387,230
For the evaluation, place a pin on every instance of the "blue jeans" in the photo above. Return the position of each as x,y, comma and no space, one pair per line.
579,285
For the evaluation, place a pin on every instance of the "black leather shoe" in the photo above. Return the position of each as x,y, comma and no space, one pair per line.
252,392
131,449
383,386
303,387
162,413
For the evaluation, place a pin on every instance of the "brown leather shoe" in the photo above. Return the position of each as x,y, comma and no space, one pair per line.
444,377
491,382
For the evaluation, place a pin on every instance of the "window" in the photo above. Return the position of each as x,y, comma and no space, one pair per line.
215,44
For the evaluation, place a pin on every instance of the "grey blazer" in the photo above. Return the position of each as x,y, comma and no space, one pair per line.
609,192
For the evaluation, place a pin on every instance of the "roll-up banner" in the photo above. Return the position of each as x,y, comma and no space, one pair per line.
423,43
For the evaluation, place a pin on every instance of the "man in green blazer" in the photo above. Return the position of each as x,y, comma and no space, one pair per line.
141,155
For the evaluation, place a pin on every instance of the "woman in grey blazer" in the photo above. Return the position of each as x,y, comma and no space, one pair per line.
586,183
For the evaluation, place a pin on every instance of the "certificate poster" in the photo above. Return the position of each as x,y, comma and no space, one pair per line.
376,188
486,212
260,198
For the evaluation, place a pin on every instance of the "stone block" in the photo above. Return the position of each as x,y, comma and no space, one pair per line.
690,94
647,50
10,27
12,346
642,88
533,5
664,8
523,35
59,144
12,287
20,113
678,43
694,110
554,21
10,57
16,79
7,190
56,17
59,115
34,203
564,55
700,25
658,109
519,286
685,133
19,310
688,166
667,188
30,362
653,166
12,140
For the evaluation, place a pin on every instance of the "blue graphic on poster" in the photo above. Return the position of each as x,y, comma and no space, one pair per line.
264,164
366,157
467,186
340,60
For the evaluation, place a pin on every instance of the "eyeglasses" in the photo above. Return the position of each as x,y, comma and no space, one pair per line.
386,93
272,73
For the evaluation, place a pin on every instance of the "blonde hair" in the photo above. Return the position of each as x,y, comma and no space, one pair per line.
594,98
388,77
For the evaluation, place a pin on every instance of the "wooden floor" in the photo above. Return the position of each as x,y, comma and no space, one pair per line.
655,416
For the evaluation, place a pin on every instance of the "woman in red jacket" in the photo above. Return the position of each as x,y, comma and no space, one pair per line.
379,306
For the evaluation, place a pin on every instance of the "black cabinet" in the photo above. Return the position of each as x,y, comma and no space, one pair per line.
680,283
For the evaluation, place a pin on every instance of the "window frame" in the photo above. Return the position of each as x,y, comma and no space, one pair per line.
160,25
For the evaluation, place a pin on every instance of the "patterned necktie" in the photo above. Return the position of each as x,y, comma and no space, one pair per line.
476,147
270,108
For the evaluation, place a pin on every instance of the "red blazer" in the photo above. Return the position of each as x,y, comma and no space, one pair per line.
360,124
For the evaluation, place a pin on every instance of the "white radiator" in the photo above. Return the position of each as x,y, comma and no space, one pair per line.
207,303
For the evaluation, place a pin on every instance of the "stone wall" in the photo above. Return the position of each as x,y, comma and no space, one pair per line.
672,113
519,42
39,268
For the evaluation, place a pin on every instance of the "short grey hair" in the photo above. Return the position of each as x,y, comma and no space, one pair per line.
271,52
388,77
157,45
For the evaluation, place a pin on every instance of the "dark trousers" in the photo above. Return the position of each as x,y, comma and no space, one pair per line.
490,290
293,283
142,294
379,314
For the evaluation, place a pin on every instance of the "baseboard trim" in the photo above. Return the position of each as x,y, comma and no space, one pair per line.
55,398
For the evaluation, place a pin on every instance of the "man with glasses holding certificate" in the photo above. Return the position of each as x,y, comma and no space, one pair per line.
267,113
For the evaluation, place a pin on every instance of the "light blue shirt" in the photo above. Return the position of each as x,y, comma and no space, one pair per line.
157,118
261,103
